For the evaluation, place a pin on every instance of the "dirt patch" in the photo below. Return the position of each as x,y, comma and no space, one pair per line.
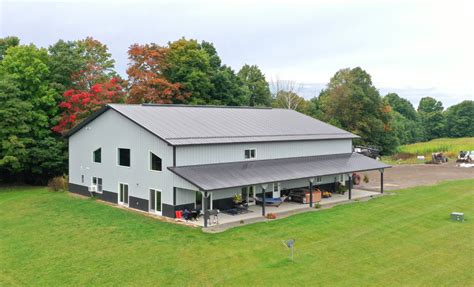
410,175
403,156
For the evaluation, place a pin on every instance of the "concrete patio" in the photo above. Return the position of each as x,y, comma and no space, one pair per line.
226,221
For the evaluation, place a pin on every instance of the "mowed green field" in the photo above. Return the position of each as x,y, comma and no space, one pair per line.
404,239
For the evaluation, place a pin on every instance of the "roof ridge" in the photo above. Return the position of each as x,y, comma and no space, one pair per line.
257,136
205,106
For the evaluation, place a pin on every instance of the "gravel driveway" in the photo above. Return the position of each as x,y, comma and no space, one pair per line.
410,175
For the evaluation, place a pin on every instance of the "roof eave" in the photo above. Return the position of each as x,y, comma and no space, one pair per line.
87,120
99,112
352,136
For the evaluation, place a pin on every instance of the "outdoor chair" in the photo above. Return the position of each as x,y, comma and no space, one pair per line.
242,206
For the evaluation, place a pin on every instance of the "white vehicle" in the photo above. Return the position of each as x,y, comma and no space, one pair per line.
465,156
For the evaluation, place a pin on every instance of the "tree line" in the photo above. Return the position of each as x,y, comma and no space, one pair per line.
44,92
352,102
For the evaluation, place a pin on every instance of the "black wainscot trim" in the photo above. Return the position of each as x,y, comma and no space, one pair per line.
79,189
138,203
108,196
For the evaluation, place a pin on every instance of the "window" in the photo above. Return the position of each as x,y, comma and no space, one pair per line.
276,187
155,162
97,155
124,157
319,179
97,181
341,178
250,153
82,178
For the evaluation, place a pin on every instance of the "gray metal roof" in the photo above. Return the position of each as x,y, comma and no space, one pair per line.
226,175
190,125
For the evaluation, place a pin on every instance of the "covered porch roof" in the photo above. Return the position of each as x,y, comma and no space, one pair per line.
210,177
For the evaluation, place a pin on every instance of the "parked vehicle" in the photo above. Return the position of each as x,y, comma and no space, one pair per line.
465,156
438,158
369,151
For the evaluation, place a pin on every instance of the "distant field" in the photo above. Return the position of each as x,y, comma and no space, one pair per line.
449,146
405,239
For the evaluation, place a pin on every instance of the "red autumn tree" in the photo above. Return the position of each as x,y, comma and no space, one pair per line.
147,83
79,104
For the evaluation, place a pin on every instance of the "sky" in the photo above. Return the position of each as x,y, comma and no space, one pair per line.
413,48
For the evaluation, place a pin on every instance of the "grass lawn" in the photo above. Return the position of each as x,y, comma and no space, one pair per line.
406,154
406,239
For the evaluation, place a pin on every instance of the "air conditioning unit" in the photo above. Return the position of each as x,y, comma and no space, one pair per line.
93,188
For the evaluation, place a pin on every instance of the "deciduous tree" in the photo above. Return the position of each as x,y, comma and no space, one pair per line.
79,104
460,120
6,43
432,118
258,89
285,94
97,67
402,106
189,64
352,102
147,83
31,151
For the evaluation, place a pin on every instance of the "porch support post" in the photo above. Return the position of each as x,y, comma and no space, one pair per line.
311,192
204,207
381,181
350,187
264,187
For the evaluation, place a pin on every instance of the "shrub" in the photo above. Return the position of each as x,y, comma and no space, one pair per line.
58,183
237,198
366,178
317,205
341,189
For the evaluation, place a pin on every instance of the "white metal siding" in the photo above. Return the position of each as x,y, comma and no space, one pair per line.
206,154
185,196
109,132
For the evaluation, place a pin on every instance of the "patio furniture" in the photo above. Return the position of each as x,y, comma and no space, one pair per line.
302,196
190,214
298,195
242,206
317,194
271,201
195,214
215,216
236,211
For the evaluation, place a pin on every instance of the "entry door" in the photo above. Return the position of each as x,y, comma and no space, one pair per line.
123,194
155,201
276,190
198,204
248,194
